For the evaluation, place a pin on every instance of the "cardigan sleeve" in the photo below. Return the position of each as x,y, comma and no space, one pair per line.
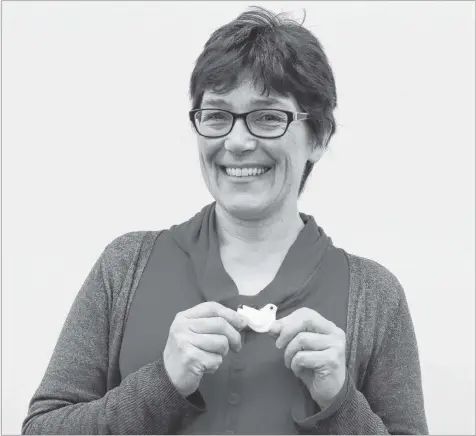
72,397
391,398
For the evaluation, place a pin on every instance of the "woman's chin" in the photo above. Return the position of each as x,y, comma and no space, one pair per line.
243,206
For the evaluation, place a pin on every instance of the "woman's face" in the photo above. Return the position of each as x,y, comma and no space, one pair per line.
260,195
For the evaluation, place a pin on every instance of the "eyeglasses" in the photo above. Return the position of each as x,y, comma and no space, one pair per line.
263,123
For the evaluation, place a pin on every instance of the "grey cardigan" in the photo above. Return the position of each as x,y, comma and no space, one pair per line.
82,393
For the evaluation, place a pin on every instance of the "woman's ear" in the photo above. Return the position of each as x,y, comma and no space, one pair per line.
325,139
316,153
318,149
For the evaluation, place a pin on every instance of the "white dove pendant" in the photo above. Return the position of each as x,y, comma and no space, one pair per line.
259,320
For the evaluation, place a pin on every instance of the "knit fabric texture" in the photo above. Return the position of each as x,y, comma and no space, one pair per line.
81,391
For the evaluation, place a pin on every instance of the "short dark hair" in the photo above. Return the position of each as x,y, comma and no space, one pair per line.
277,53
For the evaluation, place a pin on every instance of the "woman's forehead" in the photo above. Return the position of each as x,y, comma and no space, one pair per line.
247,96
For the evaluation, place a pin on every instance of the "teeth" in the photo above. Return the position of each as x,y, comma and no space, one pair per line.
245,172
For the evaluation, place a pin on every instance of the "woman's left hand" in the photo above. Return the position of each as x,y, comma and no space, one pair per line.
314,351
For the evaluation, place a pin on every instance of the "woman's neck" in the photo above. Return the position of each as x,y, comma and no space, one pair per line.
271,234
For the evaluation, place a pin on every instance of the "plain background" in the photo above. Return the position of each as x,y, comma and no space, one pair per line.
97,143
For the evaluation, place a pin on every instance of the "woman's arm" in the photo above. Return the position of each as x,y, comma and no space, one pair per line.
72,397
391,399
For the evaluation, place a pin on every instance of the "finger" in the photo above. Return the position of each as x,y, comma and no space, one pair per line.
214,309
212,362
201,362
311,319
217,344
275,329
218,326
306,341
301,321
321,361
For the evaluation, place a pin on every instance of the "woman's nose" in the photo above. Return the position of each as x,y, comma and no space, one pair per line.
240,140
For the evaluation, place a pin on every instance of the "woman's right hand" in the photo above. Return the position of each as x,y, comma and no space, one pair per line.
198,340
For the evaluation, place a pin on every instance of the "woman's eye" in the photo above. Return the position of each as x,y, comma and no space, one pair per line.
210,116
215,116
269,118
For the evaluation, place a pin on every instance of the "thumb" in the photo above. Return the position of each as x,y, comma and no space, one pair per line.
275,329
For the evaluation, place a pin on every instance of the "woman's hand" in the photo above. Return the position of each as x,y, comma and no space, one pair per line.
314,351
198,340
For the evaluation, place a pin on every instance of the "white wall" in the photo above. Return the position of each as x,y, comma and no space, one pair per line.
96,143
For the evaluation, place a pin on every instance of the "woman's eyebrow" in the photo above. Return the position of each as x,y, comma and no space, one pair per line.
215,102
262,102
268,101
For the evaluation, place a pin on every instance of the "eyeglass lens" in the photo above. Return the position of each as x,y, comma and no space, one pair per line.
267,123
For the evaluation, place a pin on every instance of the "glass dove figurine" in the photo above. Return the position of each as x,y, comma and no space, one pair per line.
259,320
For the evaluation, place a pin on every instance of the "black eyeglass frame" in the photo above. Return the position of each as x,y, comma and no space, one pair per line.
292,116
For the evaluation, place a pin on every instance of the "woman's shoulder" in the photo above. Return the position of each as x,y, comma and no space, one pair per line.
375,282
126,254
125,246
131,240
135,246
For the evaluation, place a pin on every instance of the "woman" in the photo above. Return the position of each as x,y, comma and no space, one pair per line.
158,339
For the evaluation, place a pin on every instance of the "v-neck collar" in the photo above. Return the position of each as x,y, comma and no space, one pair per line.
298,266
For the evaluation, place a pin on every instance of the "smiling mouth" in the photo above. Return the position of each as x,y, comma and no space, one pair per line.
244,173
